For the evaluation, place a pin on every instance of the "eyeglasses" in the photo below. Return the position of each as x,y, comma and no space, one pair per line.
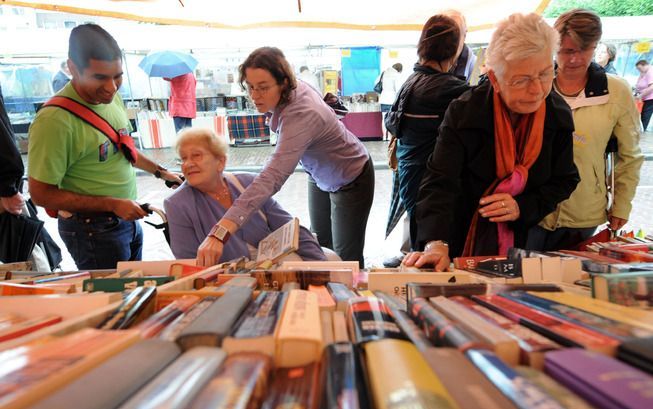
569,52
523,81
195,157
262,90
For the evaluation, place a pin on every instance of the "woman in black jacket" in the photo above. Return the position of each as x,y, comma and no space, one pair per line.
504,157
420,106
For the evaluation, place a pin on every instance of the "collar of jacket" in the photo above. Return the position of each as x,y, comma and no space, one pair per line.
481,116
425,69
597,81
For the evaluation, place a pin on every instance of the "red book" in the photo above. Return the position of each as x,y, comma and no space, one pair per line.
627,255
465,263
563,332
26,326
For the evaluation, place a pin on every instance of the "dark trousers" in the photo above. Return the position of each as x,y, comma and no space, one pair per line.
562,238
100,242
647,111
339,219
181,123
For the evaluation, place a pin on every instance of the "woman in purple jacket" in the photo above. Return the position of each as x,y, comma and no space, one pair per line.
341,175
208,193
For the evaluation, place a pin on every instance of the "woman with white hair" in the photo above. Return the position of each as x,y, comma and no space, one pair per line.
209,192
504,157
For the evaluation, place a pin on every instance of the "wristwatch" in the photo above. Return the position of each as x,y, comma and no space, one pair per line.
220,232
159,169
434,243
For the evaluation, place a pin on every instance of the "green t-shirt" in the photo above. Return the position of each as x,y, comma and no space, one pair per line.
67,152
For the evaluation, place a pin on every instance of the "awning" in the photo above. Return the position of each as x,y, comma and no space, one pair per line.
246,14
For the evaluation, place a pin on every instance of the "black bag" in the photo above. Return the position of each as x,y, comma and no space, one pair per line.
378,87
18,236
52,250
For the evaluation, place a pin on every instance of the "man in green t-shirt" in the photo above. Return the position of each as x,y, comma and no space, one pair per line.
76,169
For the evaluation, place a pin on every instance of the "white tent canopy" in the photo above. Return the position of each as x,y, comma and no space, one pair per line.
245,14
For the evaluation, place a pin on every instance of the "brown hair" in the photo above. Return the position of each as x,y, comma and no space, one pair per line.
439,39
272,60
581,25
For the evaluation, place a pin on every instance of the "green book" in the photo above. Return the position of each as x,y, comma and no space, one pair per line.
113,285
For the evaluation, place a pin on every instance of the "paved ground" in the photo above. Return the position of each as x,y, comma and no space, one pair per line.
293,197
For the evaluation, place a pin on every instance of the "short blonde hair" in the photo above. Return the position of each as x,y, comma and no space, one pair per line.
518,37
217,146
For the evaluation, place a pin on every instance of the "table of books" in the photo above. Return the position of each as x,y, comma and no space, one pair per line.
493,332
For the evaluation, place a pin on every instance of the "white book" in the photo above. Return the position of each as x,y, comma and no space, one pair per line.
279,243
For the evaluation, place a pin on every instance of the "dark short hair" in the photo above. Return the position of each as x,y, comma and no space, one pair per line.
272,60
439,39
582,26
91,42
63,64
303,68
641,62
612,51
398,66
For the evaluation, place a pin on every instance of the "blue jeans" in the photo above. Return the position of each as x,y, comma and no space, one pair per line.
99,242
181,123
339,219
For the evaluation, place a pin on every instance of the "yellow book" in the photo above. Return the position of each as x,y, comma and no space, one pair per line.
299,339
324,298
400,377
30,373
627,315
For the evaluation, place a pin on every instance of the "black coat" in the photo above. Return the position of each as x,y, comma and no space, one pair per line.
11,164
463,164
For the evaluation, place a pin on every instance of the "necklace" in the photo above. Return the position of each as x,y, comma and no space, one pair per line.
223,193
571,95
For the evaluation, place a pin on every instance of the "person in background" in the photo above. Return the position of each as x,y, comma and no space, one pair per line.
61,78
340,170
464,65
75,169
603,108
504,157
308,77
605,55
183,102
419,108
644,88
11,166
391,82
209,192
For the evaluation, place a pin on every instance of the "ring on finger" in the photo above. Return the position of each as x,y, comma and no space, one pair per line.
503,204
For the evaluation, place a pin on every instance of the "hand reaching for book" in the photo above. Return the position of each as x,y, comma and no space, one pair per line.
499,208
437,255
209,252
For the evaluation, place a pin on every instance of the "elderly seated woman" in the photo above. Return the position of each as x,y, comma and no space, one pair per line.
504,158
208,192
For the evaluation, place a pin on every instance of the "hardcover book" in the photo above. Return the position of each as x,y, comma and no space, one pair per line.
240,383
279,243
567,398
325,301
341,293
155,323
275,279
125,283
601,380
175,328
135,308
428,290
21,326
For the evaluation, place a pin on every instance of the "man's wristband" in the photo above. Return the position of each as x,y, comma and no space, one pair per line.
435,243
220,232
159,169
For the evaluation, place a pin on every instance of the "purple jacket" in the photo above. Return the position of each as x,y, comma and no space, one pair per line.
192,213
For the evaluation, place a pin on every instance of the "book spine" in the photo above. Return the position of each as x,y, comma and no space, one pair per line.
400,377
299,330
605,326
530,342
521,391
440,330
158,321
338,377
341,294
293,388
325,301
122,284
261,316
241,383
275,279
25,327
172,331
560,331
369,319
